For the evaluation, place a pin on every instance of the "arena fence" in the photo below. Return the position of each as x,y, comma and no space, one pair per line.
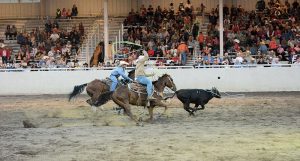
260,78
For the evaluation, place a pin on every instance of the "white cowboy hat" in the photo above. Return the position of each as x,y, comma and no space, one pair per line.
123,63
141,57
236,40
46,57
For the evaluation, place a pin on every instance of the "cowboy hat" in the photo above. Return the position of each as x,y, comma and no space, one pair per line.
123,63
46,57
141,57
236,40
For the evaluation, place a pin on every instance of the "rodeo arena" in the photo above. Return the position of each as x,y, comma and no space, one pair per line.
150,80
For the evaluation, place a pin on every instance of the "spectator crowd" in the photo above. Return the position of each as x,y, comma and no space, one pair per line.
268,35
51,46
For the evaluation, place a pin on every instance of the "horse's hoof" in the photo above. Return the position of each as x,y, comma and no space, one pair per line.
164,115
150,121
119,110
101,108
89,101
139,124
94,109
140,119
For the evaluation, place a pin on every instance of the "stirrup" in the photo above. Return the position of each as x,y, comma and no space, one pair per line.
151,98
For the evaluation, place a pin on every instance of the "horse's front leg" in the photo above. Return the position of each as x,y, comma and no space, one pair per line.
125,105
161,104
129,113
150,110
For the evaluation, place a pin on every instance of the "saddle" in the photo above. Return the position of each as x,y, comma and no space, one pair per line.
137,87
108,82
142,89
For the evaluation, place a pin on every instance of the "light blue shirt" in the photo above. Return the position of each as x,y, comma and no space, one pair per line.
120,71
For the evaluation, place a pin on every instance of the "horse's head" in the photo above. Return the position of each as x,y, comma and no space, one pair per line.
215,92
168,81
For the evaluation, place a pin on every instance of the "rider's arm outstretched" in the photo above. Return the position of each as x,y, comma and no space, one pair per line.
141,76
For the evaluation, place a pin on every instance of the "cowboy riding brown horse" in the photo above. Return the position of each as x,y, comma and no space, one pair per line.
95,88
135,94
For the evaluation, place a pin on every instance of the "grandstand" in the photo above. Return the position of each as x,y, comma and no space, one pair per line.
248,31
49,48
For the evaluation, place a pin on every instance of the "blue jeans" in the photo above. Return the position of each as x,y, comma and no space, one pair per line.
183,58
144,80
114,82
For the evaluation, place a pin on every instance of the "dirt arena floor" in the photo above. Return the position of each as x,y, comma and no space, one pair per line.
258,126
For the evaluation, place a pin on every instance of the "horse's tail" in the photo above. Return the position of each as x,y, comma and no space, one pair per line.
103,98
77,90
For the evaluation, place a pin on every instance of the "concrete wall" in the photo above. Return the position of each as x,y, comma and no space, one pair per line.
18,10
225,79
95,7
48,8
90,7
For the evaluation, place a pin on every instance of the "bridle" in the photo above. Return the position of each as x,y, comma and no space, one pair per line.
173,84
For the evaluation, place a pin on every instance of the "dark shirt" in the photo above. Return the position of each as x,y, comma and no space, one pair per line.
74,11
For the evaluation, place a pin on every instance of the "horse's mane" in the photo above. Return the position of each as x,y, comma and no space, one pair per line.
164,75
131,74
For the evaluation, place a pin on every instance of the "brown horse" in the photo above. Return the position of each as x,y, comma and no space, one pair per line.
96,55
135,94
95,88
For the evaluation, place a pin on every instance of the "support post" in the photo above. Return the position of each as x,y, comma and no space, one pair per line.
119,39
116,44
105,6
122,32
221,28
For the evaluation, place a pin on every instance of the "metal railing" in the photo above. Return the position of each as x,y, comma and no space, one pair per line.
94,37
91,41
157,67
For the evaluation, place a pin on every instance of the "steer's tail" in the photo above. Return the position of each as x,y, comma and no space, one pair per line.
77,90
103,98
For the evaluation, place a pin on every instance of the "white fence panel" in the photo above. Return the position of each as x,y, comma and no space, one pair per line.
257,79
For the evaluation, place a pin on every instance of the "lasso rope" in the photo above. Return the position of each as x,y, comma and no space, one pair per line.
234,95
158,73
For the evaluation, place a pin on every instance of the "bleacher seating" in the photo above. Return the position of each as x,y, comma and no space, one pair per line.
27,25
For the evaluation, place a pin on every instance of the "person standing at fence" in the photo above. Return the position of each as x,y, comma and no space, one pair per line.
8,32
183,51
5,55
74,10
297,62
